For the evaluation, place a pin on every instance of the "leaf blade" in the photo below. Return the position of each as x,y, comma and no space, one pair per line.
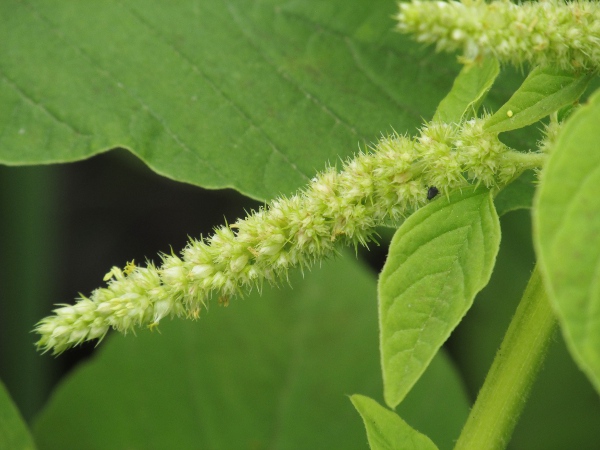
468,91
544,91
567,221
251,96
438,260
14,433
386,430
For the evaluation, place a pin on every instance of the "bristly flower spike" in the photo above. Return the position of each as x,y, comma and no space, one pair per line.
343,208
547,32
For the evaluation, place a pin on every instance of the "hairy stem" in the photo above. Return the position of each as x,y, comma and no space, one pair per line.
508,383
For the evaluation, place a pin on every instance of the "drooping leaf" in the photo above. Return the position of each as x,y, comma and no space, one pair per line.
468,91
567,224
517,195
250,95
544,91
269,371
438,260
386,430
14,433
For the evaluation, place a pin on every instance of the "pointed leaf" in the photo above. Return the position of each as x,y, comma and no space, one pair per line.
252,95
386,430
438,260
468,91
544,91
567,221
14,433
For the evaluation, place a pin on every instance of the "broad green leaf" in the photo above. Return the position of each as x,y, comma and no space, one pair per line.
251,95
269,371
567,224
386,430
468,91
517,195
438,260
14,434
544,91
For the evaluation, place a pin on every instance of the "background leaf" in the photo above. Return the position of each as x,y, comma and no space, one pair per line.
545,90
251,95
14,433
386,430
567,224
267,372
438,260
517,195
468,91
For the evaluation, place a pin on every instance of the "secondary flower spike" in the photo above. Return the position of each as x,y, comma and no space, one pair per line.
336,208
548,32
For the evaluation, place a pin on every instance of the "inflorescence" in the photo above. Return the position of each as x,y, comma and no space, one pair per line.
548,32
377,187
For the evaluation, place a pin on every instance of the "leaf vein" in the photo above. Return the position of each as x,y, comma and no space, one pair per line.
38,104
111,77
284,75
238,108
371,77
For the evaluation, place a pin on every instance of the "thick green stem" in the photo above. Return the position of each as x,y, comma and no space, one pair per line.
507,385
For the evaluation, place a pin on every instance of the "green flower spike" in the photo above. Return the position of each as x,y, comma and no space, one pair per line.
336,208
548,32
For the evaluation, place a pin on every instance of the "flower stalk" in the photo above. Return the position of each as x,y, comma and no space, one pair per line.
380,186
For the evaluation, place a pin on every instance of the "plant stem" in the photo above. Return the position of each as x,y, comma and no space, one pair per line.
508,383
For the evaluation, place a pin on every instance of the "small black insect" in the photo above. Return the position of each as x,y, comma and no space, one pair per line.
432,192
